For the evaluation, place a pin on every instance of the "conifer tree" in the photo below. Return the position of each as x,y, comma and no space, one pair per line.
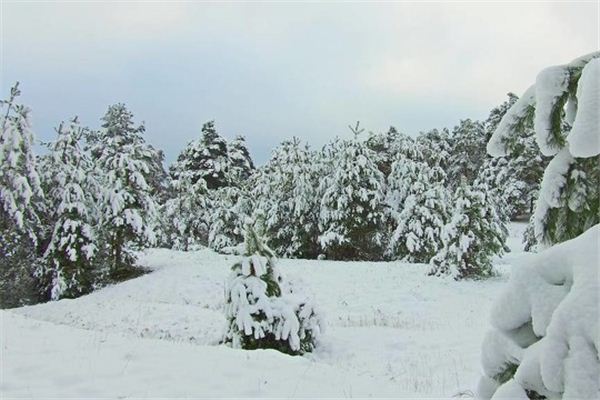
241,165
127,206
417,204
468,152
285,191
261,310
561,105
20,204
475,233
352,202
229,207
71,184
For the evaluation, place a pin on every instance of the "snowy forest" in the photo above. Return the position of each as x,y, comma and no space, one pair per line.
81,214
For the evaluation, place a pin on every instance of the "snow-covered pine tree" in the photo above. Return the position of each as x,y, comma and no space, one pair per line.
544,341
417,206
390,145
186,213
205,158
514,179
20,204
240,163
128,209
71,184
569,201
351,216
434,147
285,191
261,309
229,207
467,153
475,233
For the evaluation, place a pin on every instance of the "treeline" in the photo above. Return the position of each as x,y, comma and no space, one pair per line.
72,219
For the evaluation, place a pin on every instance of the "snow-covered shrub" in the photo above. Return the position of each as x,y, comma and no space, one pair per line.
563,107
545,335
473,236
228,208
262,310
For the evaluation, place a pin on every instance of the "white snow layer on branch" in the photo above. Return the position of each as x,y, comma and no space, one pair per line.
550,309
551,84
496,147
584,138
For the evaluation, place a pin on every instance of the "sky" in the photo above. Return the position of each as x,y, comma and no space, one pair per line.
270,71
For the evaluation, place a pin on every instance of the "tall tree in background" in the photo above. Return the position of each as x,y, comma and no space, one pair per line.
468,152
71,185
20,199
352,202
127,206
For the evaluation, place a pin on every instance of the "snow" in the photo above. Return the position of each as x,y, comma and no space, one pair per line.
391,331
554,296
551,84
584,138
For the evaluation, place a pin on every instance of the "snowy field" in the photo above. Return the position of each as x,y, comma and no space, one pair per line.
391,331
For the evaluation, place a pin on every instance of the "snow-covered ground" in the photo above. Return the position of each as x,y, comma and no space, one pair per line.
391,331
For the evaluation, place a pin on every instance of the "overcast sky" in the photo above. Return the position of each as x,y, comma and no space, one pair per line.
272,71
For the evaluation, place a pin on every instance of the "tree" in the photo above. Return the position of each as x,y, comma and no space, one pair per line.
70,180
569,196
241,164
542,343
468,152
285,192
229,207
20,204
475,233
127,205
417,205
205,158
352,202
187,213
388,146
261,310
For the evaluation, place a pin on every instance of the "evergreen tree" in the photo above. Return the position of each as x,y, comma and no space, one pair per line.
417,204
475,233
435,147
68,267
562,112
241,164
468,151
127,206
390,145
551,305
205,158
261,310
20,204
352,203
187,213
285,192
229,207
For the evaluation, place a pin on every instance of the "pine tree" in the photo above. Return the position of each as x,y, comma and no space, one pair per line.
205,158
229,207
240,162
285,191
417,206
475,233
569,201
352,203
468,152
127,206
71,184
549,309
435,148
390,145
261,310
20,204
187,213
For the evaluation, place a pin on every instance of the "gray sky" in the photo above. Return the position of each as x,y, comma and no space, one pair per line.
271,71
